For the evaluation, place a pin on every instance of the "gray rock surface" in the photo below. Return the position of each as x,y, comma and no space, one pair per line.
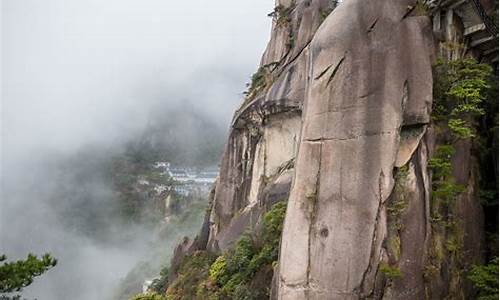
257,164
345,109
369,74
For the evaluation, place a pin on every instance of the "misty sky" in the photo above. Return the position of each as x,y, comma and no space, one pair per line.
88,73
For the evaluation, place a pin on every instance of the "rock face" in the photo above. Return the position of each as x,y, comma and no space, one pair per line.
369,78
338,122
258,162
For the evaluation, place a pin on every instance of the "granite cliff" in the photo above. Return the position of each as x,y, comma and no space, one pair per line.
342,120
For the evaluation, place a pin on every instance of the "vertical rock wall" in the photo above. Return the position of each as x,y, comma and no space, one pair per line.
258,161
341,127
369,75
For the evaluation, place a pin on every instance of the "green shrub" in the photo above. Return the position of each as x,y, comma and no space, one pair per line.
485,279
460,128
390,272
243,292
447,191
440,163
444,188
160,285
193,270
324,13
273,223
218,270
242,253
399,203
460,87
488,197
260,81
231,275
461,91
148,296
247,259
282,14
237,267
422,8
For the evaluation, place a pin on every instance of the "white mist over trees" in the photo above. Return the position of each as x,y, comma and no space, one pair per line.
83,79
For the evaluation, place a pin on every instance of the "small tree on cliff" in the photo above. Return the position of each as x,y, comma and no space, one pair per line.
485,279
16,275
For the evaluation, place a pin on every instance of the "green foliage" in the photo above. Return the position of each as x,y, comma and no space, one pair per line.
460,128
159,285
465,107
324,13
271,234
394,243
148,296
453,245
243,292
397,207
260,81
399,204
444,194
236,268
218,271
390,272
447,191
14,276
440,163
488,197
241,255
485,279
430,271
462,81
444,189
460,88
273,224
193,270
231,275
422,8
282,14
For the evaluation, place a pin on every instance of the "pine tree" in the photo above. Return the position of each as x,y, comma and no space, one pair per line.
16,275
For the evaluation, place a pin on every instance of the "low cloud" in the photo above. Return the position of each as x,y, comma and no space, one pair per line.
81,79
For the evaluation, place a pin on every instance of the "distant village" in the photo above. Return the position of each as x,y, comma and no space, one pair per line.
187,180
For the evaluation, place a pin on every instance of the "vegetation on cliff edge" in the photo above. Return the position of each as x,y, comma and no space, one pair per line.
465,110
243,272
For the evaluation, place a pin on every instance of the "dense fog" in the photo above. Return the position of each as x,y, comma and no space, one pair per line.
84,80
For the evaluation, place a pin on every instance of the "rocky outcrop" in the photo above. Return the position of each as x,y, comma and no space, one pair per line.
258,162
370,76
338,121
